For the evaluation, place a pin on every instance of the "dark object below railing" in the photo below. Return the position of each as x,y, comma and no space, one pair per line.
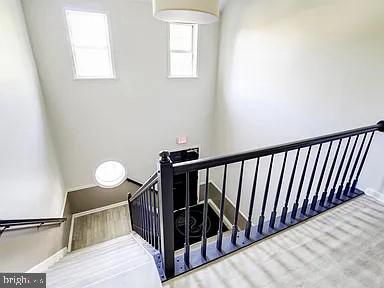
301,179
28,223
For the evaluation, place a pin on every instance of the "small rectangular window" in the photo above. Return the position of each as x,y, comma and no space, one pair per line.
91,49
183,50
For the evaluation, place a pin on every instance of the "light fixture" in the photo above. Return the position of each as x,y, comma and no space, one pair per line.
187,11
110,174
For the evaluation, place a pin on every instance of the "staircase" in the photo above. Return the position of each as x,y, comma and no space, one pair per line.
121,262
273,189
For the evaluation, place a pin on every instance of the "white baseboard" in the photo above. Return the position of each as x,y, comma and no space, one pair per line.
77,188
115,205
43,266
375,194
228,199
227,223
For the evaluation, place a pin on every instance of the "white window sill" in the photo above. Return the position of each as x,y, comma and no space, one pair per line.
183,77
94,78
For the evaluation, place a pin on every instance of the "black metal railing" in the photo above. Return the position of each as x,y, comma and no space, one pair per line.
144,206
28,223
289,183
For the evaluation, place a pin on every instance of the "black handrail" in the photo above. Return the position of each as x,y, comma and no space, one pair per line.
30,223
145,186
211,162
19,222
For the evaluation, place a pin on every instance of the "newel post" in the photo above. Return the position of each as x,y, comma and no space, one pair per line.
381,126
131,212
166,212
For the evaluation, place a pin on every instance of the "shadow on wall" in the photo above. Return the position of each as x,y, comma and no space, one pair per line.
96,197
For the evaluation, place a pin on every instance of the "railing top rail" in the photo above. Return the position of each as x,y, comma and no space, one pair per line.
210,162
150,182
38,221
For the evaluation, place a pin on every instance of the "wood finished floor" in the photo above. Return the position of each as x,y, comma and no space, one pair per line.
100,226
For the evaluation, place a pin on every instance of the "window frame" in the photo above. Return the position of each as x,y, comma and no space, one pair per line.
195,62
76,76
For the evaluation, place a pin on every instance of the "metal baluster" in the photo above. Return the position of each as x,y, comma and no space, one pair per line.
156,232
146,202
139,219
285,208
316,196
137,202
274,212
131,207
155,208
135,216
353,188
205,216
186,244
158,222
235,227
348,185
135,213
333,190
306,200
324,195
262,215
143,216
341,186
296,205
150,217
153,218
145,219
251,203
219,241
131,213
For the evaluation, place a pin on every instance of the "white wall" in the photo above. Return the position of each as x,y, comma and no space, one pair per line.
133,117
30,181
295,69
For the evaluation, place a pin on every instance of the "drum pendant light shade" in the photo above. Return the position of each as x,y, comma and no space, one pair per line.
187,11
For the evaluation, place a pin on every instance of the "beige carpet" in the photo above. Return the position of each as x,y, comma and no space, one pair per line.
117,263
341,248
